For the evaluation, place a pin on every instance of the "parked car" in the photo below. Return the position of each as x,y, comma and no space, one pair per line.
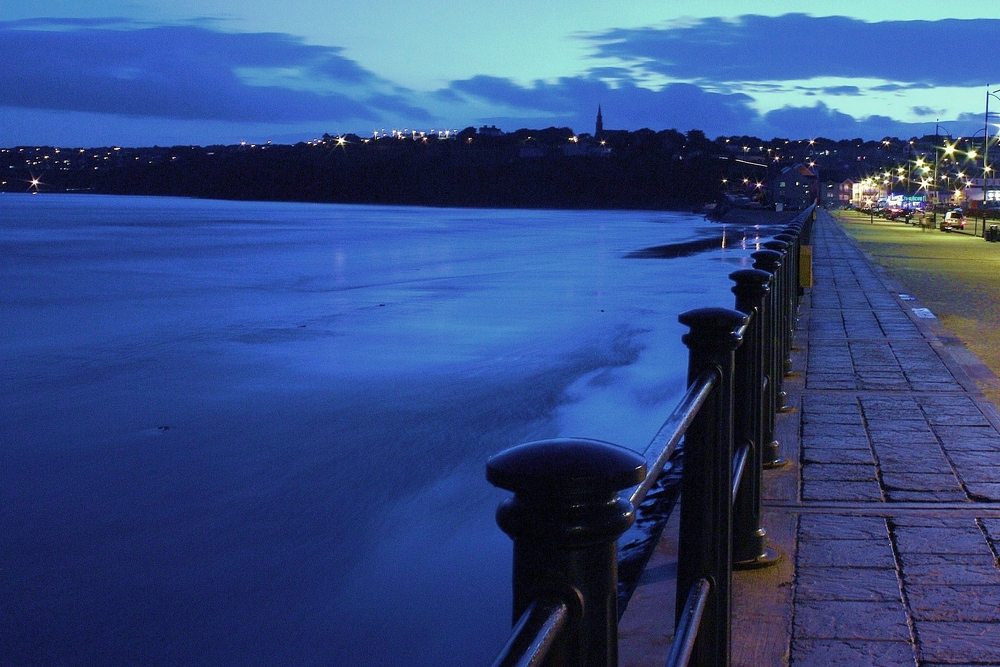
953,219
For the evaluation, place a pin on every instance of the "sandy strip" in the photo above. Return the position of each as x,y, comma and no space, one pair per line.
956,275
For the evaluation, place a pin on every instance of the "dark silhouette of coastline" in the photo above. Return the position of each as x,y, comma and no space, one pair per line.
552,168
549,168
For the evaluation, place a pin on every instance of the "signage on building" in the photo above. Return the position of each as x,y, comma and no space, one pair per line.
904,201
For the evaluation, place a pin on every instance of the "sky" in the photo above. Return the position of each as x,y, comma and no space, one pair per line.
200,72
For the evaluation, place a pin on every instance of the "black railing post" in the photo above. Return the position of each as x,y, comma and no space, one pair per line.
791,238
749,537
794,230
705,544
770,261
785,304
791,235
782,318
565,519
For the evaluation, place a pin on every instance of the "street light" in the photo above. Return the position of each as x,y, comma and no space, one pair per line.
949,153
949,149
921,169
986,140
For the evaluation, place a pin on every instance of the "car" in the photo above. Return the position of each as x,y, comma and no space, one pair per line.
953,219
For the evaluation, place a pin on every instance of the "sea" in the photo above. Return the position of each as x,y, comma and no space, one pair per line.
243,433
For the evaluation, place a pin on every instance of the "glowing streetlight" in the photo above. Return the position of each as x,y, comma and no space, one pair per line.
986,140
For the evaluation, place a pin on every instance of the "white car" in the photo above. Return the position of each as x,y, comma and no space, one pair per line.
954,219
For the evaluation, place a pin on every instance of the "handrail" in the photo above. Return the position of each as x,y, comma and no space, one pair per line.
672,430
534,634
688,625
740,467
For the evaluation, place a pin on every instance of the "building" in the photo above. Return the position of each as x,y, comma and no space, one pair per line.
982,189
834,194
795,187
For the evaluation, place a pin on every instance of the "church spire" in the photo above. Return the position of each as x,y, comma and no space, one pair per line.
600,124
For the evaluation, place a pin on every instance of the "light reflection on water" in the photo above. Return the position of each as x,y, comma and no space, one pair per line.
243,433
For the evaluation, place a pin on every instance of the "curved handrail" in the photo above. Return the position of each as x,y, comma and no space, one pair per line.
534,634
688,624
672,430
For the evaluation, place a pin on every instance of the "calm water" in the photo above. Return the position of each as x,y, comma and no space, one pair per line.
255,434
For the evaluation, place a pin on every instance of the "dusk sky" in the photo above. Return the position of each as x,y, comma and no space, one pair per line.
144,72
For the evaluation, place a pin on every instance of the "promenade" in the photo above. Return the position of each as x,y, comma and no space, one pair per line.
888,512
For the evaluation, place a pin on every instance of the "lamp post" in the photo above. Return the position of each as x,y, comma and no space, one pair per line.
986,142
970,157
921,170
947,149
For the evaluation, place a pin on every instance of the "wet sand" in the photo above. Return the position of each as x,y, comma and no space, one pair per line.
956,275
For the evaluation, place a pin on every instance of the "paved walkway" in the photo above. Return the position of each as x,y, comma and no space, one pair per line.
889,513
900,473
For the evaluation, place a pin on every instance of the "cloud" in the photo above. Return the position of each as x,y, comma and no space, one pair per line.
187,72
797,47
198,75
851,91
573,101
818,120
822,121
895,87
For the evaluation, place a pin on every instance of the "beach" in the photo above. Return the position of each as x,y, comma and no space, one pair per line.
954,274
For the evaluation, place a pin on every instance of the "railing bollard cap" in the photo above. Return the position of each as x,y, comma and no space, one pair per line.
752,276
713,327
751,282
566,467
776,244
787,238
767,255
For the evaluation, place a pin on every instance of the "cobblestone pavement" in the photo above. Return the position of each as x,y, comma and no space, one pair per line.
898,508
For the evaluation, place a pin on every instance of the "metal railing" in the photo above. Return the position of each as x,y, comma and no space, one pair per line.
566,514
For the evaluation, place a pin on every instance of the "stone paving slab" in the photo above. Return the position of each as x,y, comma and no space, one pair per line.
979,643
848,653
850,619
955,603
845,584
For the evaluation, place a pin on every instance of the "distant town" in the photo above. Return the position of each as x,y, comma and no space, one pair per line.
549,168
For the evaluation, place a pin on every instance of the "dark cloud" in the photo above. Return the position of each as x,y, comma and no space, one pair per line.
197,72
69,23
820,120
185,72
798,46
895,87
573,102
925,111
842,90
